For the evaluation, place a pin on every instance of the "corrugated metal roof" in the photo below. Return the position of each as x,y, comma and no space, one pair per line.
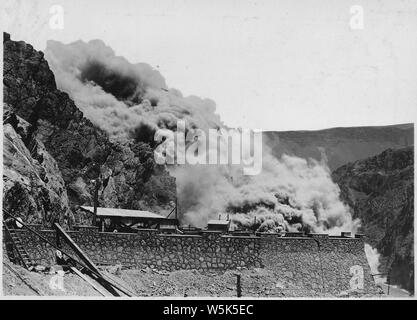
219,222
124,213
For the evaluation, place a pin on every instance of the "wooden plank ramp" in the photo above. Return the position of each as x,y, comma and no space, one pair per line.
120,283
108,283
76,248
97,287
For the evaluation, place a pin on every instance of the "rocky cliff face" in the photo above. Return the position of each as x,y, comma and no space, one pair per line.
83,153
380,190
33,187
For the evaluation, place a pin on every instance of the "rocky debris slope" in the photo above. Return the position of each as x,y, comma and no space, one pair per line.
340,145
17,281
255,282
152,283
128,173
380,190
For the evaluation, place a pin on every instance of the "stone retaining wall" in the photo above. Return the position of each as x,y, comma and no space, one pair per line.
318,264
326,265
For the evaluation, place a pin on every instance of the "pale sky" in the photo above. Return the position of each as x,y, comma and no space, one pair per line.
272,65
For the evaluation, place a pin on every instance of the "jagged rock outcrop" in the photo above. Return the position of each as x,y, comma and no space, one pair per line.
380,190
128,173
33,187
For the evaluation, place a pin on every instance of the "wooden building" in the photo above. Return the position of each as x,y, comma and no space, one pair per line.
125,220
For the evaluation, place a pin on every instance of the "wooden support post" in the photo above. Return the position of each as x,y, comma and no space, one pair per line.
238,286
103,292
93,270
106,283
76,249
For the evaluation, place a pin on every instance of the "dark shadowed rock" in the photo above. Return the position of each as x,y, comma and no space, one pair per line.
380,190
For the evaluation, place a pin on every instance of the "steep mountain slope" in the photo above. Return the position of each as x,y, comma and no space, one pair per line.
340,145
129,175
32,183
380,190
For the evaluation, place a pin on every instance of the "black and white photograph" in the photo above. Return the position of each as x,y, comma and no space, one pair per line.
193,149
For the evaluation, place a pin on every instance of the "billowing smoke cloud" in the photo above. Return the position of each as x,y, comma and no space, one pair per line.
291,194
124,87
119,96
133,101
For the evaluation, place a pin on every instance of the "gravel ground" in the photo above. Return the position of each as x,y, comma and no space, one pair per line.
17,281
192,283
153,283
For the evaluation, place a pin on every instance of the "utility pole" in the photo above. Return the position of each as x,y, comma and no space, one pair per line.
96,188
176,208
